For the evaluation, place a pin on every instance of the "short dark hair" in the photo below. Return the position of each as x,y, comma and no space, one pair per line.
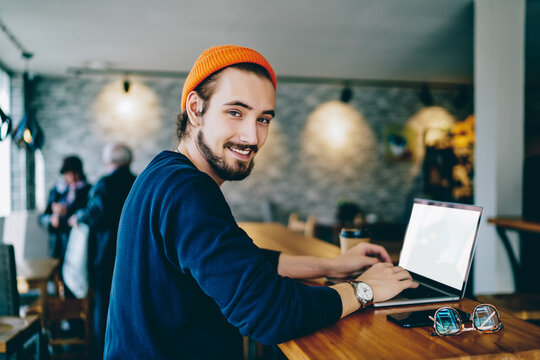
206,89
73,163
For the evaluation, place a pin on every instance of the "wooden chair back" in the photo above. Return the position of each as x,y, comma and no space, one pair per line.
304,227
9,295
77,343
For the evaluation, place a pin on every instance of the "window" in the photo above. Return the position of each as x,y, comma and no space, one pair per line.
5,148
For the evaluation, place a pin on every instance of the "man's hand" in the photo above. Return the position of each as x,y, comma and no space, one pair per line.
357,258
387,280
72,221
59,209
55,220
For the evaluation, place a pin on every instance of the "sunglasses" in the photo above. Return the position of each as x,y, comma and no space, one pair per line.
447,322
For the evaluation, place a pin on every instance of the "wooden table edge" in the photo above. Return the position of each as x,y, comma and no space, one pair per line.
33,325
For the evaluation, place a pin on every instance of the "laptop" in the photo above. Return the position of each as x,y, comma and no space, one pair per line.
437,251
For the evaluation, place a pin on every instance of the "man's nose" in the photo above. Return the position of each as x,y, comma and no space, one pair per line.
248,132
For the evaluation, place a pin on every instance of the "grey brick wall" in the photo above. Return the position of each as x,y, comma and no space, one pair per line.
291,170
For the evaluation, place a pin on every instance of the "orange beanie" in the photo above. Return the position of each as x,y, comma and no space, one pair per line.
219,57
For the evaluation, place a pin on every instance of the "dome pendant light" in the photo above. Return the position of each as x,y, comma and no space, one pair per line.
28,132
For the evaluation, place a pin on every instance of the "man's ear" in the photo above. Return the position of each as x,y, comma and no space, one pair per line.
194,105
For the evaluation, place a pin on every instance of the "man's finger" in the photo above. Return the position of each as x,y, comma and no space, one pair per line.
403,275
405,284
384,264
368,260
379,251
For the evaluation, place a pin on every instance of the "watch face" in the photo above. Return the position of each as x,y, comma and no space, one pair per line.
364,292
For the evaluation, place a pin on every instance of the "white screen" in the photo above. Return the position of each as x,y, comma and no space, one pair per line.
438,243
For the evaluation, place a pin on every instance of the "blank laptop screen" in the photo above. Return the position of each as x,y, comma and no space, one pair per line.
438,243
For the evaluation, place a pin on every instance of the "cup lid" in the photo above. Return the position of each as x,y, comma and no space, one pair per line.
354,232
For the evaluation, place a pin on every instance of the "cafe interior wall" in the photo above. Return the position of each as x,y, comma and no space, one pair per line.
303,167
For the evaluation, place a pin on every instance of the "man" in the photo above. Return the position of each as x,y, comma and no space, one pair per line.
187,278
102,215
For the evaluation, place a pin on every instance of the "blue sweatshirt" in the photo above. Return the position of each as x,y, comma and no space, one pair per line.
188,280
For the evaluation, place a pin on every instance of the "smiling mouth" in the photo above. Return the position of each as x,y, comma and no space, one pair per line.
240,151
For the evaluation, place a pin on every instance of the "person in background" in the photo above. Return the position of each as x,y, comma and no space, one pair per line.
187,280
67,196
102,215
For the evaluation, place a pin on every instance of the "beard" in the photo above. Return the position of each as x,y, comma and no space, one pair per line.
239,171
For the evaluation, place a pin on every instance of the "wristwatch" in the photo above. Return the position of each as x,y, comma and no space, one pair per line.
363,293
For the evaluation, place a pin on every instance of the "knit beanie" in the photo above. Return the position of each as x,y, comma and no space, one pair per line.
219,57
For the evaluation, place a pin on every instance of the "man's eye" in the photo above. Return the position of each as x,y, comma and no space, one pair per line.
234,113
264,121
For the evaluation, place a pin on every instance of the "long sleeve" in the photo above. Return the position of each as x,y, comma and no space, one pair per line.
202,238
95,212
272,257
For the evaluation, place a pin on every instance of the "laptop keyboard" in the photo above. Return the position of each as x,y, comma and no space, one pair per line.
421,292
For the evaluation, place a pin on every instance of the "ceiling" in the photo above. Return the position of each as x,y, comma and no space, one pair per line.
413,40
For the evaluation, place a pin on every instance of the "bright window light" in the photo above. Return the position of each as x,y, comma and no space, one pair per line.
5,148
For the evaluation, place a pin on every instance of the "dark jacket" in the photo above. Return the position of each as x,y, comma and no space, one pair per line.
102,214
58,237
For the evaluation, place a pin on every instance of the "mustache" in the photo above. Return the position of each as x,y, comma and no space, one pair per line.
253,148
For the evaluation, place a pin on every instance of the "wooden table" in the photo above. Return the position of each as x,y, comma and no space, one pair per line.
368,334
276,236
270,235
15,332
504,224
35,274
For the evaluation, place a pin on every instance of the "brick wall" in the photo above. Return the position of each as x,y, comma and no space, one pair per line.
291,170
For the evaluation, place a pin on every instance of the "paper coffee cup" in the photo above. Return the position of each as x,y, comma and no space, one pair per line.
350,237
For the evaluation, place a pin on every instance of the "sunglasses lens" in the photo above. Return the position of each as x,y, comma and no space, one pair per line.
447,322
486,318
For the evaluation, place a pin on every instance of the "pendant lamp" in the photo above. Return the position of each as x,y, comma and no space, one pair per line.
28,132
5,125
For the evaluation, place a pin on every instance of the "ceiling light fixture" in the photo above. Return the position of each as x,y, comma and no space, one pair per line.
126,86
13,39
28,133
346,94
425,96
126,83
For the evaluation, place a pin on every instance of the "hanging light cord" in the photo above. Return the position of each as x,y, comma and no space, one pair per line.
24,52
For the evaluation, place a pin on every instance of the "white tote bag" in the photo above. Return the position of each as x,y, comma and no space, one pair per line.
75,268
